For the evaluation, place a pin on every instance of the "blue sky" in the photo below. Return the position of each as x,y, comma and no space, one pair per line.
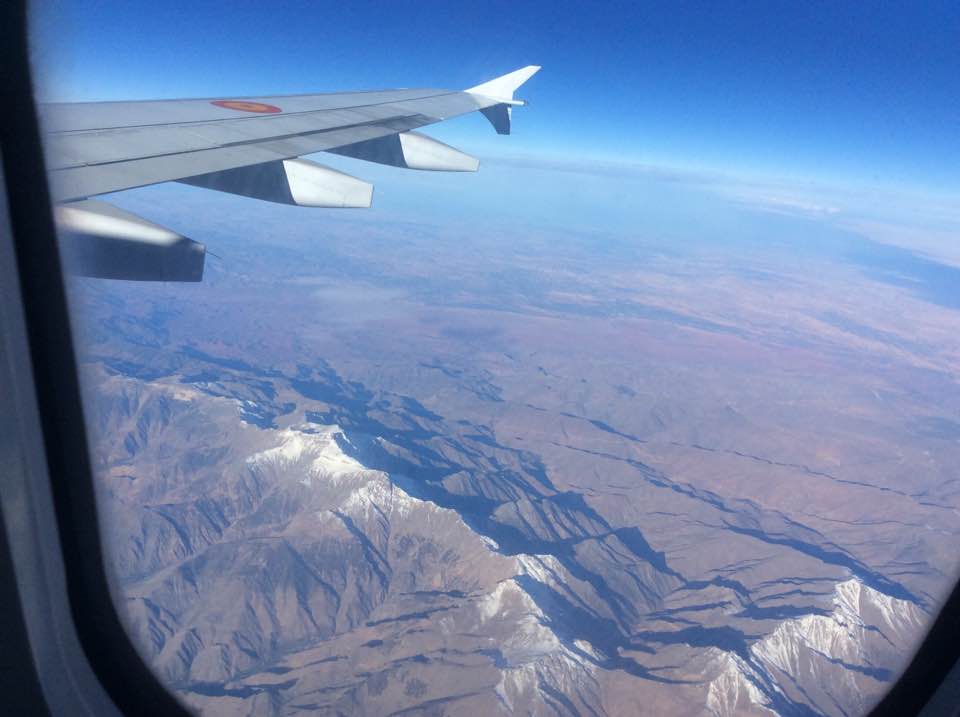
838,91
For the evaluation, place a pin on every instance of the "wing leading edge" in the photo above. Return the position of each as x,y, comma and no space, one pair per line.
249,146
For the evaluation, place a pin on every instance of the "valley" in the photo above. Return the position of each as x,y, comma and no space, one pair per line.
463,471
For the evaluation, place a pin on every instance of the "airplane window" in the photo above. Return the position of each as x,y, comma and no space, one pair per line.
643,392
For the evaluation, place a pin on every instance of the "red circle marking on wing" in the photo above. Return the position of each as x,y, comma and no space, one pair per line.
246,106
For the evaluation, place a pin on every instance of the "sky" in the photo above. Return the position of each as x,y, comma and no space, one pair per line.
857,93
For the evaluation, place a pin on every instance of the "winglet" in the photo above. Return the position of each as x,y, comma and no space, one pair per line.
501,90
503,87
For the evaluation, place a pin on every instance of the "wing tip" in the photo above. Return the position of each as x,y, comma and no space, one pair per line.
503,87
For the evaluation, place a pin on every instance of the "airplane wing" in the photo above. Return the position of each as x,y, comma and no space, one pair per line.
250,146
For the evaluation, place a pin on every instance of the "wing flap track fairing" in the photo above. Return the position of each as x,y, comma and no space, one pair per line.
103,241
411,150
290,181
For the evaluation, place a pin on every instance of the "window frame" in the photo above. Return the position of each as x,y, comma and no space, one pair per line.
52,437
80,654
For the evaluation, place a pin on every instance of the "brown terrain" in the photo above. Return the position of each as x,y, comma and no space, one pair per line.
379,466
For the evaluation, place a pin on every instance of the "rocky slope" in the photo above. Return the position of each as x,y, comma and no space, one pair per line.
295,542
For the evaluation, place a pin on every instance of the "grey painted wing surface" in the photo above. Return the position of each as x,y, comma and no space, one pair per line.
95,148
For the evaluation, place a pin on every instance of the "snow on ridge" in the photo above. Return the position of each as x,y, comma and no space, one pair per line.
532,652
510,600
838,637
902,617
318,447
532,638
313,453
840,634
737,681
541,568
380,492
562,670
